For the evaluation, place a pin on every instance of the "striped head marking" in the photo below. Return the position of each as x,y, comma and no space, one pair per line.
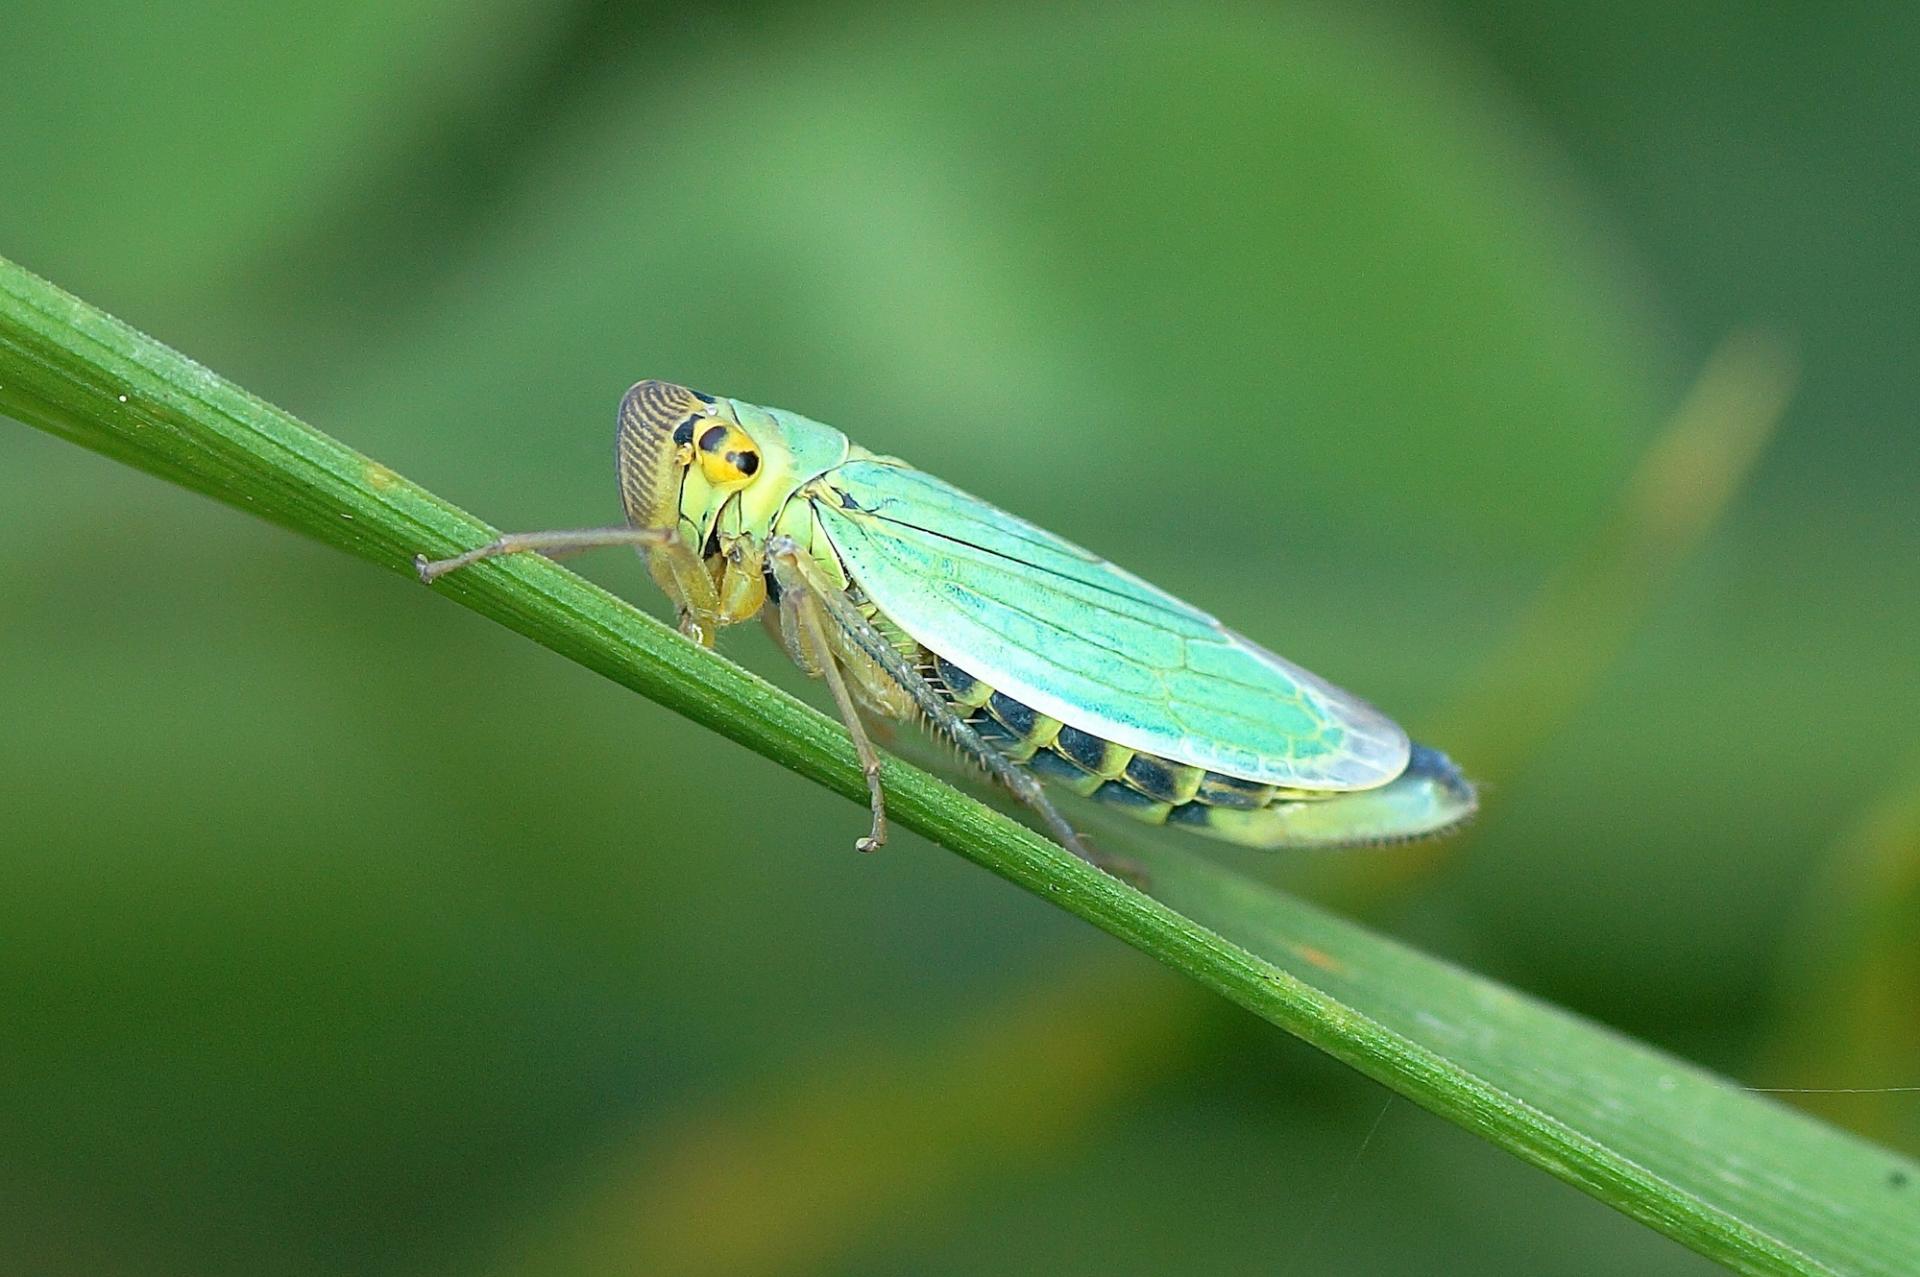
669,432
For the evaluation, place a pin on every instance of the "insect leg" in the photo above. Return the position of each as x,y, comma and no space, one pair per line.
555,545
794,573
805,621
674,565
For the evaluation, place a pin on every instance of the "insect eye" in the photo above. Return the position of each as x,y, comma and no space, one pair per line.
727,456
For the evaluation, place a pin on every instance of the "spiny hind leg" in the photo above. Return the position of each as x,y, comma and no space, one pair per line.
794,572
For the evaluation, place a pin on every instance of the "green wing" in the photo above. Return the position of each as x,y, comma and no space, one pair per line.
1084,642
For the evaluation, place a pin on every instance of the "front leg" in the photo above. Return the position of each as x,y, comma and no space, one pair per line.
675,567
555,545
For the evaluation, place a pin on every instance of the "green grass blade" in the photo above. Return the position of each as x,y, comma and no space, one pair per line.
1732,1175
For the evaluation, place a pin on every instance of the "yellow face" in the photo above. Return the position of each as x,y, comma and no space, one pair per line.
728,457
724,476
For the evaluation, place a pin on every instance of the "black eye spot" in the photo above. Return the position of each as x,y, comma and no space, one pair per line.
745,462
703,398
683,433
713,438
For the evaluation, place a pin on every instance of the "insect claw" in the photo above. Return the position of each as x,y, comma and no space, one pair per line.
1128,871
431,570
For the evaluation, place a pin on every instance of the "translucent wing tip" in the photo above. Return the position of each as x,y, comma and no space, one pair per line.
1377,749
1373,749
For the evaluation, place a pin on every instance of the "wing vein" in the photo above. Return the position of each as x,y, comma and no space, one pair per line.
1170,606
1082,641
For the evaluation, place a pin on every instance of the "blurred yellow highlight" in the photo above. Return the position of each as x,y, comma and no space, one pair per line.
860,1144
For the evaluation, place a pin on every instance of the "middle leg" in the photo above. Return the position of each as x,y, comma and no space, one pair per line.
794,573
804,622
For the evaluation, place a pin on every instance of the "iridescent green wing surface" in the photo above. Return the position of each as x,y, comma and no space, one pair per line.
1082,641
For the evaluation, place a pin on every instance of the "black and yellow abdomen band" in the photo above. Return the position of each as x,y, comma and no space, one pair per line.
1160,791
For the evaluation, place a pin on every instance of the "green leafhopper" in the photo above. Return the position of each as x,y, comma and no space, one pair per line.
1035,658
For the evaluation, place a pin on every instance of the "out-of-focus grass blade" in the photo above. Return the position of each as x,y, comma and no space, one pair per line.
1734,1176
1574,628
1849,1043
1572,631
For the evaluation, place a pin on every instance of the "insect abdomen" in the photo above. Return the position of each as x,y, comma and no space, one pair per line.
1430,797
1145,786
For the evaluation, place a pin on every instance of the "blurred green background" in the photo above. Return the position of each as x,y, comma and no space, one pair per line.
349,934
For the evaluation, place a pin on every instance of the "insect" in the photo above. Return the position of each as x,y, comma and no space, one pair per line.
1034,658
